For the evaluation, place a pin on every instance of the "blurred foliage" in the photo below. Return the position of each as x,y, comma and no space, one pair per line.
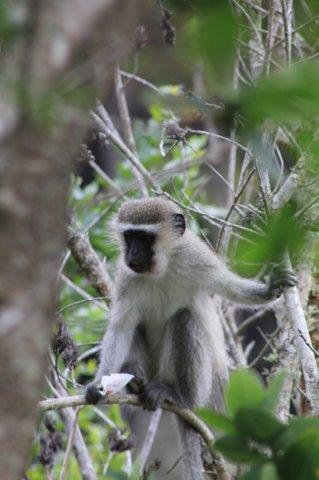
10,21
269,239
288,95
214,25
253,436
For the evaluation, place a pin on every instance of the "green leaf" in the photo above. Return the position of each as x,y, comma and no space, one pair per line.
117,475
256,424
282,231
268,472
273,391
244,390
290,94
253,474
262,472
236,449
295,431
216,420
301,460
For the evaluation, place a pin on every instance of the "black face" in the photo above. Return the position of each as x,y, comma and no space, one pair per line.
139,250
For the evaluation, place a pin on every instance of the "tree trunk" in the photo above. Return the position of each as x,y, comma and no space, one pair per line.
35,164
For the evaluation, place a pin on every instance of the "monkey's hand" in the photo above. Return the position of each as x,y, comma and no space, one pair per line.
155,393
280,277
137,384
93,393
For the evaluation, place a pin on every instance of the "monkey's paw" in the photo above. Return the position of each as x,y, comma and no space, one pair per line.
280,278
155,393
137,384
93,394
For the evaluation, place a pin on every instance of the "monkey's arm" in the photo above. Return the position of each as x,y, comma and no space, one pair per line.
210,272
246,291
240,290
115,347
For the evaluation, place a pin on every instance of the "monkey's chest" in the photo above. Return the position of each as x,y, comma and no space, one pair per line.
160,302
158,308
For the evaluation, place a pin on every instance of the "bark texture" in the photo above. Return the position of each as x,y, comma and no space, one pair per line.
77,40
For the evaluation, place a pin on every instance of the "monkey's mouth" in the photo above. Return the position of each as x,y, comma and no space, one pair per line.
140,267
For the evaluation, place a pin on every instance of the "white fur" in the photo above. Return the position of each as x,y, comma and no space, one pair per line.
122,227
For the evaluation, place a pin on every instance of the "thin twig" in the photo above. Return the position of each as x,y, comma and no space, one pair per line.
308,344
127,126
219,175
250,320
314,202
221,137
231,171
149,439
69,445
83,293
144,82
210,218
108,180
237,196
174,465
79,302
286,8
80,449
118,142
264,349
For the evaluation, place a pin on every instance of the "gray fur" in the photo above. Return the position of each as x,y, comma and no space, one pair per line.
184,345
147,211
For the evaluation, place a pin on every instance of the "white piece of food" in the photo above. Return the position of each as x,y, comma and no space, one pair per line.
115,382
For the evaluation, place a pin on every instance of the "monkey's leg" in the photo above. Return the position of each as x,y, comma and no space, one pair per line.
186,363
137,363
157,391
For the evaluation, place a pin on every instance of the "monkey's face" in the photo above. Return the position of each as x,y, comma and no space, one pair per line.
148,230
139,250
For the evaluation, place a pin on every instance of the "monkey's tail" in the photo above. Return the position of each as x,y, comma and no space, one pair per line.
191,450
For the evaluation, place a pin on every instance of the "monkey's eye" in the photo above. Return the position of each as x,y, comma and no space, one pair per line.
179,223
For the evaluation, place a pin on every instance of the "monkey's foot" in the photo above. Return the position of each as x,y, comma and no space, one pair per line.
155,393
137,384
93,394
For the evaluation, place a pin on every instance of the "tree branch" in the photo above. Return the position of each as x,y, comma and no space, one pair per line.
127,126
126,399
118,142
69,445
84,254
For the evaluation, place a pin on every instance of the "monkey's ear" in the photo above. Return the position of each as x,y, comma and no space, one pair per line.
179,223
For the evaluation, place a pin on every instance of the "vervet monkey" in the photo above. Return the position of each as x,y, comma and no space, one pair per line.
163,328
